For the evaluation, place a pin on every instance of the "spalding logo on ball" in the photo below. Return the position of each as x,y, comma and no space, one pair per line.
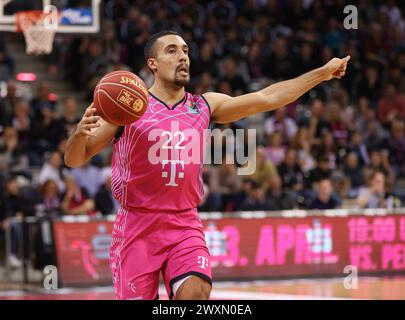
121,98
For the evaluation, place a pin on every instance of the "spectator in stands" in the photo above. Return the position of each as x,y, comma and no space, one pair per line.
223,11
7,104
280,122
334,37
230,75
395,76
225,181
302,144
363,106
242,194
52,170
329,149
6,65
337,125
391,106
279,64
315,121
305,60
211,201
76,201
110,42
320,172
256,199
136,41
88,177
379,161
42,132
370,85
397,147
205,83
264,167
94,64
275,152
280,199
205,62
12,158
255,60
359,148
16,206
373,132
224,87
67,122
354,172
290,172
325,198
42,101
104,200
22,123
375,196
50,204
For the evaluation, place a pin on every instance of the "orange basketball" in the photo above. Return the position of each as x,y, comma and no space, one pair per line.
120,98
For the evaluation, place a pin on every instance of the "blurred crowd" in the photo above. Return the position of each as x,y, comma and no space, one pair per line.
340,145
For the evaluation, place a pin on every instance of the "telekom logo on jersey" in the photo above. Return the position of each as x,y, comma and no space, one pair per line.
175,148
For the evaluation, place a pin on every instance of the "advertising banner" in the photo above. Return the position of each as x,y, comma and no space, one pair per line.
248,248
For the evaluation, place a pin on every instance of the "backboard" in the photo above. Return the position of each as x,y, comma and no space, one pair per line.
74,16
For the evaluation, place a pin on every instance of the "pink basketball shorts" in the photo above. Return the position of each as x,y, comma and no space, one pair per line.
145,244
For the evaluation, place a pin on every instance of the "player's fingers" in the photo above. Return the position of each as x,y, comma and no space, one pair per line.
91,125
91,119
346,59
90,111
88,133
88,120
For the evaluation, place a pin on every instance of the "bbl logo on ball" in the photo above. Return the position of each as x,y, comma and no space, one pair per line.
126,98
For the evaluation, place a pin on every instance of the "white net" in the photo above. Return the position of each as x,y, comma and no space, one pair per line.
39,39
39,29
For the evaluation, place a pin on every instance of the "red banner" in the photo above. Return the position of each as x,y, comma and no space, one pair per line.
82,251
256,247
271,247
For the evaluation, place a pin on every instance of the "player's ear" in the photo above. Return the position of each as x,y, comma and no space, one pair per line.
151,62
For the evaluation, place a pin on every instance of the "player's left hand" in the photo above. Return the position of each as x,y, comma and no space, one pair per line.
336,68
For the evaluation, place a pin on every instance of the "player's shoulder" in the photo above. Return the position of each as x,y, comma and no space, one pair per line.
215,98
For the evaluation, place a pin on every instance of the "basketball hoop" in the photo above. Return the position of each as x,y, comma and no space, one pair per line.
39,29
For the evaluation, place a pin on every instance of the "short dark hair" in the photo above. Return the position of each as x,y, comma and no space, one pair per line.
149,50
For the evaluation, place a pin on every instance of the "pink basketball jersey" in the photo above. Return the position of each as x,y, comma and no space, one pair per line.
158,160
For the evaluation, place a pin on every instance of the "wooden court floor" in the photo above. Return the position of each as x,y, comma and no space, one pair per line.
374,288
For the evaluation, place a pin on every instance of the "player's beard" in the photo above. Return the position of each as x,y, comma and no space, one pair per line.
180,80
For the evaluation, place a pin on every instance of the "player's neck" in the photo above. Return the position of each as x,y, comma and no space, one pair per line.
170,94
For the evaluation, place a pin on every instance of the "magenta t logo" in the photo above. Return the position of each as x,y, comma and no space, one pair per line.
203,262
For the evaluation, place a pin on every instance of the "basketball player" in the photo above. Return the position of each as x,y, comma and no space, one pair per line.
157,228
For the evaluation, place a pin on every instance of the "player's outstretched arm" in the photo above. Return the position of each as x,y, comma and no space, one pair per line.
228,109
92,135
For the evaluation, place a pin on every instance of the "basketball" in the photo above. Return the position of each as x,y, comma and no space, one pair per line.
120,98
